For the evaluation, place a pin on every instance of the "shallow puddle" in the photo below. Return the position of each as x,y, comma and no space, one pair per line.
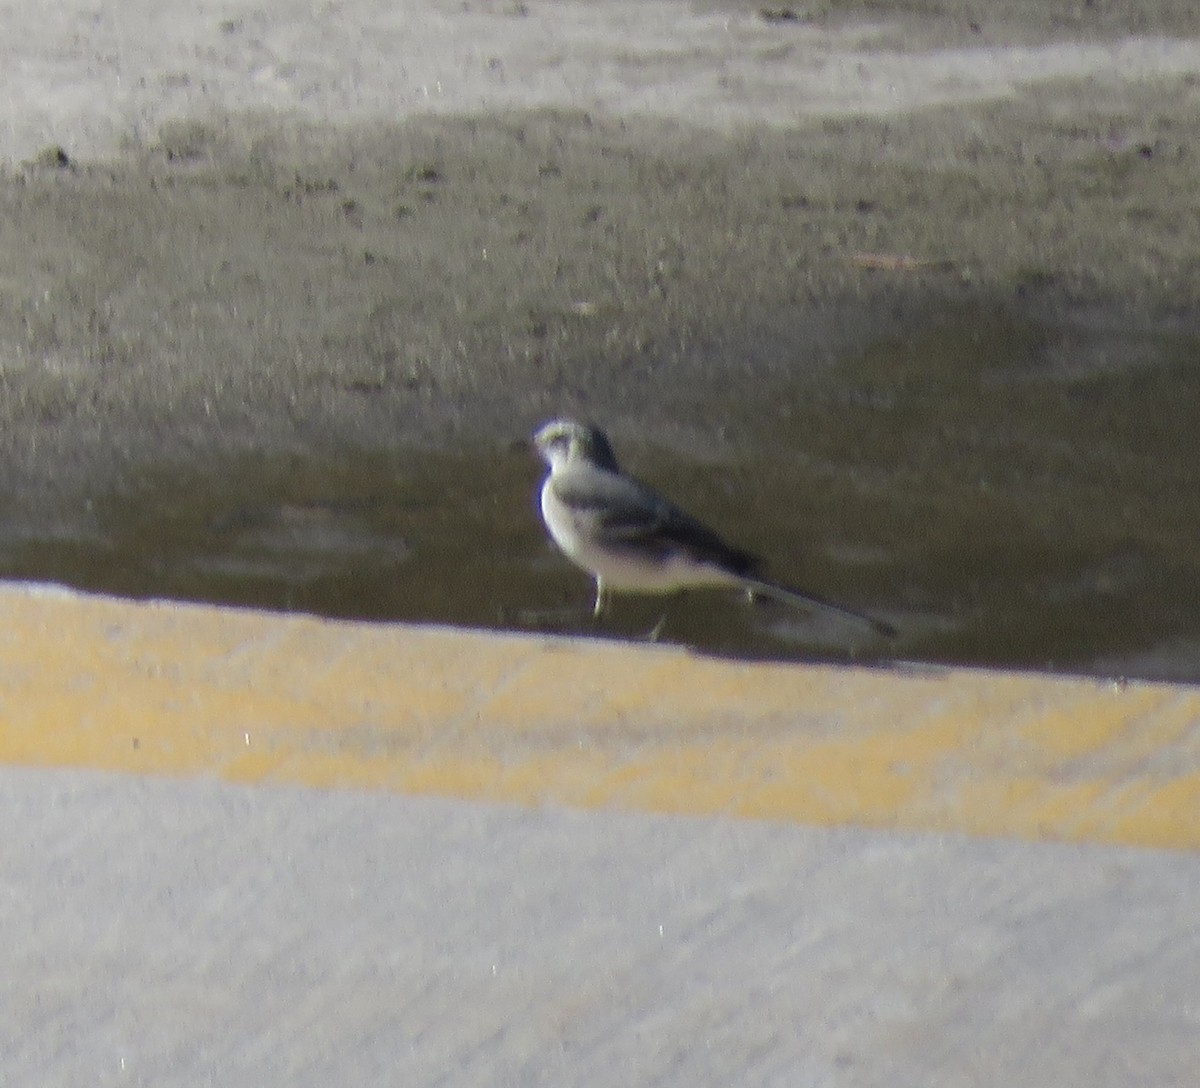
1010,496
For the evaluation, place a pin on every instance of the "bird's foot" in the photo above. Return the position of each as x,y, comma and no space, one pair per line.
598,606
653,634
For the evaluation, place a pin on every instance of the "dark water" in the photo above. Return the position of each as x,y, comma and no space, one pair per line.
1017,496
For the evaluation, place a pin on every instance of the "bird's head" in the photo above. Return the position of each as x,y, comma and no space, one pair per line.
564,440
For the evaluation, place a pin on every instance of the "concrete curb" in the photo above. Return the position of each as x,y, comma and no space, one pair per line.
193,690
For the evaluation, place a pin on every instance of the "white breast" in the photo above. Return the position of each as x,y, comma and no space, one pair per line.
621,569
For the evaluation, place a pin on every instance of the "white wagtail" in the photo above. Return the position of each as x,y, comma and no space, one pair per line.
631,539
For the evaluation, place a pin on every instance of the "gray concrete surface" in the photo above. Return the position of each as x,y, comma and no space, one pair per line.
183,933
288,228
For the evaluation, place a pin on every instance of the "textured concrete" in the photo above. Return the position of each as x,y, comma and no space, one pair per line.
180,930
182,933
257,897
251,697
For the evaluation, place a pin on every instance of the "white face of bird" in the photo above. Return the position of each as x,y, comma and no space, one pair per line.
565,440
557,440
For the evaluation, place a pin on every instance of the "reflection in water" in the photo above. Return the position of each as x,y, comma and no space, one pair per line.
1006,495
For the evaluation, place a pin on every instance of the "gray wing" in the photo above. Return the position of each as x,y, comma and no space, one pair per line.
626,513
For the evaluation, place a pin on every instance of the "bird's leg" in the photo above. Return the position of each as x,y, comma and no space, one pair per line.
598,607
656,630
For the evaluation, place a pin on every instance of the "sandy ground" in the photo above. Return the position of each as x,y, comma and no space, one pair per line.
933,265
928,272
183,933
379,223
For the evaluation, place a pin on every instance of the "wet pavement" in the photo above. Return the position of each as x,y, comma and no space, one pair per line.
1009,495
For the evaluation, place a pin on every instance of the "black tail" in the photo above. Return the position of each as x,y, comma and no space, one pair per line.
809,601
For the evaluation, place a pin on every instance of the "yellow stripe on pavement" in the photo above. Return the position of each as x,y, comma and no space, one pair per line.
253,697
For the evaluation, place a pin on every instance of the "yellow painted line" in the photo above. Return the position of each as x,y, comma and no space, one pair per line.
253,697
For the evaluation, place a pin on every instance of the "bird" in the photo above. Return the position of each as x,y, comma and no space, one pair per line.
632,540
